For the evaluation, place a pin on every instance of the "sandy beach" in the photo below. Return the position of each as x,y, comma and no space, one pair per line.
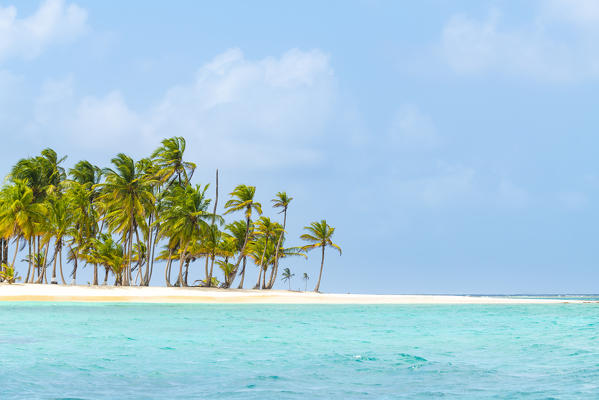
58,293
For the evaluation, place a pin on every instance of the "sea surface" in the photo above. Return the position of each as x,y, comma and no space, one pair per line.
175,351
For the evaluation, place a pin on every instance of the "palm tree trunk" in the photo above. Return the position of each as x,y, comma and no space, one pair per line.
95,280
264,277
127,277
28,262
168,268
209,280
187,269
53,280
106,276
42,275
257,286
60,262
241,255
275,266
206,268
152,258
180,282
242,275
5,253
316,289
14,259
74,274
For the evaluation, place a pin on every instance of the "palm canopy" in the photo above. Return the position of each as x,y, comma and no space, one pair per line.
42,173
185,214
168,161
126,197
319,235
85,173
282,201
19,213
243,199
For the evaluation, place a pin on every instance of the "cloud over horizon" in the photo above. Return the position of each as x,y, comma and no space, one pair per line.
53,22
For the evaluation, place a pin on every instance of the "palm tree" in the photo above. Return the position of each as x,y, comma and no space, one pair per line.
183,219
126,199
280,201
287,275
243,200
238,230
306,278
169,162
265,229
319,235
58,224
19,214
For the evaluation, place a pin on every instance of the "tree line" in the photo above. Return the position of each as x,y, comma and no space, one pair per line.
121,219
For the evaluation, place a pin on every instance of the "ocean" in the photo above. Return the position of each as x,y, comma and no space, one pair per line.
176,351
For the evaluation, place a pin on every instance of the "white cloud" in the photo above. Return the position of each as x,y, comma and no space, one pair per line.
412,129
54,21
558,44
236,111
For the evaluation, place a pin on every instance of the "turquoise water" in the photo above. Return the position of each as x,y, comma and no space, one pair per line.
125,351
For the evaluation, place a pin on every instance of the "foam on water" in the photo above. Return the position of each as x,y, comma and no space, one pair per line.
139,351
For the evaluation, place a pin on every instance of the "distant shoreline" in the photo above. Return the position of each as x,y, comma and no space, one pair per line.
151,294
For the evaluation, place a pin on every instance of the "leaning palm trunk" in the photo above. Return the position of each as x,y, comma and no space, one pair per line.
257,286
167,269
316,289
60,262
180,281
275,266
242,275
241,255
14,259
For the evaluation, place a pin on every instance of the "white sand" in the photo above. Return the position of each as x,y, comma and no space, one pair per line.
31,292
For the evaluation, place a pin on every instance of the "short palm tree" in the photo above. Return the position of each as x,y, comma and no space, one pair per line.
287,275
306,278
319,235
243,200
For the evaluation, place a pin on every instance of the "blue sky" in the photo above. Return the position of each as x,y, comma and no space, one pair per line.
451,143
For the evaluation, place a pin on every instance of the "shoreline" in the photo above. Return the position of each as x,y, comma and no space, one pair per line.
190,295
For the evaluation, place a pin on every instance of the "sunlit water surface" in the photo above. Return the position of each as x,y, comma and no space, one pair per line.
138,351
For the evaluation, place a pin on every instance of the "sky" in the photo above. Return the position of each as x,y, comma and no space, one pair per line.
452,144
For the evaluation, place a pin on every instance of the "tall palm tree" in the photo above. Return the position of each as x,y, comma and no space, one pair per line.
280,201
319,235
243,200
126,199
287,275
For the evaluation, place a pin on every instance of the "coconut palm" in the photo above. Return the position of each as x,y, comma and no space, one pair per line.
58,224
280,201
306,278
265,230
169,163
19,214
238,230
287,275
184,217
243,200
126,199
319,235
